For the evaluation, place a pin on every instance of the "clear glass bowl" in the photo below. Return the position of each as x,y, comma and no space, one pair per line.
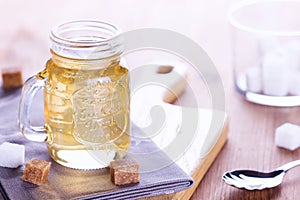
265,43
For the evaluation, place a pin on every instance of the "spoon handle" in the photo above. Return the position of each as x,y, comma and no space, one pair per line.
289,165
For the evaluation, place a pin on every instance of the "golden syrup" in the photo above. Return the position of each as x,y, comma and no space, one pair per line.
86,113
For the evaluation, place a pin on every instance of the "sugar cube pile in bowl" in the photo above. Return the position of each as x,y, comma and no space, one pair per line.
277,73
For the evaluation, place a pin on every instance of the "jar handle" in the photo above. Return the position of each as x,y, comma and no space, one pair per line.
30,88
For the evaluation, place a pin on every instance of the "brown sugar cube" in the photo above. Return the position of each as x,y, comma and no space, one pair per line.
12,78
36,171
164,69
124,171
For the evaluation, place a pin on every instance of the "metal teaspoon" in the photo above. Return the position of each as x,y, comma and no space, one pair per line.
254,180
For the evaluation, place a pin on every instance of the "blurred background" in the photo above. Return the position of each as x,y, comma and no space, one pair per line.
25,25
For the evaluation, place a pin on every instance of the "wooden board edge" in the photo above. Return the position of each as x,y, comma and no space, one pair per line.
205,164
201,170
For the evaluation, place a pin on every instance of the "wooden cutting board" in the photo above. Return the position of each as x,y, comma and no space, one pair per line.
154,88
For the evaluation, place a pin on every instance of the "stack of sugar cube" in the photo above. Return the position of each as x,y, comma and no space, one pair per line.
288,136
278,71
13,155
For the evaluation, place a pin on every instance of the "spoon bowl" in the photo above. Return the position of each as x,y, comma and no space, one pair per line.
255,180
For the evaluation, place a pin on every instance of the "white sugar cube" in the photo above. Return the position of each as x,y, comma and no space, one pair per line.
294,83
267,44
288,136
275,74
292,52
294,46
254,82
11,155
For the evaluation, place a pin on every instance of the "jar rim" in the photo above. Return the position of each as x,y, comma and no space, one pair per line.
87,39
253,29
101,27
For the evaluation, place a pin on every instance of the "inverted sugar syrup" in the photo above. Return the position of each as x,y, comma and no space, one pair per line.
86,112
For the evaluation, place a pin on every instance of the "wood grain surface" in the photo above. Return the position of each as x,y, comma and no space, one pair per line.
251,145
24,41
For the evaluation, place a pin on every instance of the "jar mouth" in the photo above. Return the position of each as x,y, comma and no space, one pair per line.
271,17
84,33
83,39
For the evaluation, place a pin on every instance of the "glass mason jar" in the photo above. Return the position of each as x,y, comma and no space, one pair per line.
86,96
265,39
